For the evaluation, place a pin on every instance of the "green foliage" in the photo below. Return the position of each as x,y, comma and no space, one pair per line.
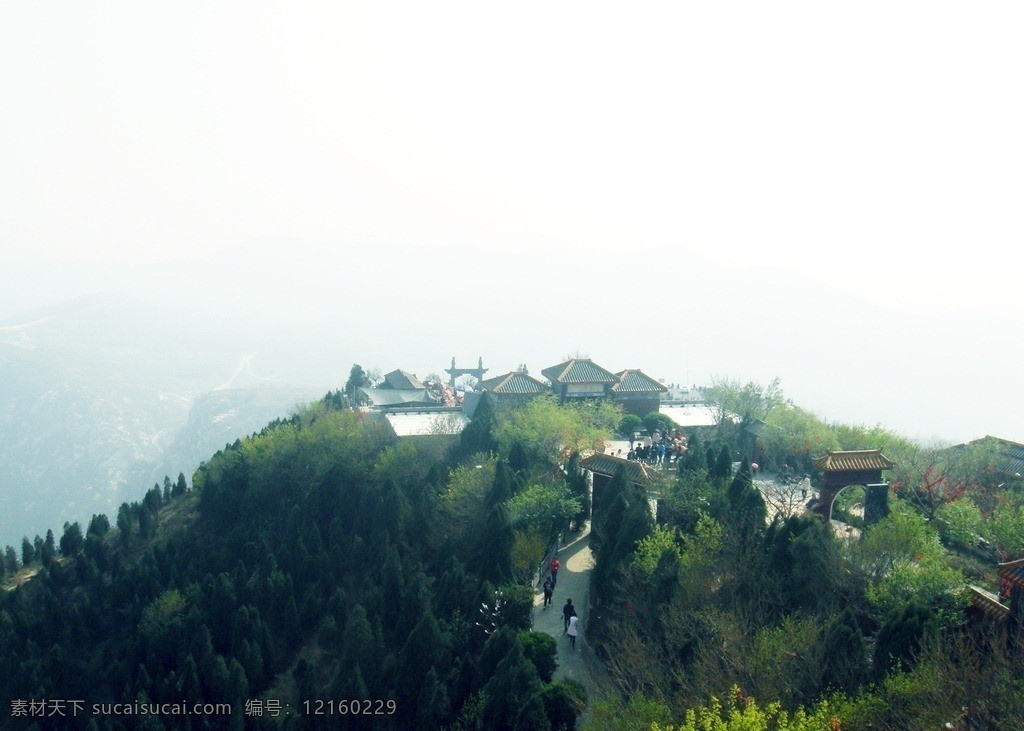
784,662
478,435
961,521
738,406
1006,529
686,499
740,713
628,426
564,701
528,551
794,438
844,665
541,649
494,562
512,688
321,558
515,606
930,580
903,561
722,468
620,525
656,421
548,508
357,379
904,536
640,713
579,487
549,432
72,541
905,631
651,548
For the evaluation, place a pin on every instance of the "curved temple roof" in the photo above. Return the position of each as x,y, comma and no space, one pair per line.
854,461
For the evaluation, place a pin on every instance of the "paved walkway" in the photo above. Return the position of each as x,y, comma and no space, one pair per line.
579,663
574,583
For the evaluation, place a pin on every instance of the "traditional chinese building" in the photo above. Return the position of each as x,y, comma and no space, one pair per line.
603,468
580,378
638,393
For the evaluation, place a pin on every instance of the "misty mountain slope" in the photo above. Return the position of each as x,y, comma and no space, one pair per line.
102,396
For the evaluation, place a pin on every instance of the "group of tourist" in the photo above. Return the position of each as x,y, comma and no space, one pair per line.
657,449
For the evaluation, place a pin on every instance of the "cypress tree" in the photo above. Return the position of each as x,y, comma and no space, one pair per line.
498,646
901,637
844,666
722,469
501,488
477,436
423,651
494,551
432,703
513,686
694,458
362,648
518,459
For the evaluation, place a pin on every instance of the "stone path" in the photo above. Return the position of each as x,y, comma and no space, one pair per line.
574,583
579,663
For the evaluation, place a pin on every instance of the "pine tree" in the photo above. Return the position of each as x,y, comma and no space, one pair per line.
357,379
28,552
72,540
180,487
49,549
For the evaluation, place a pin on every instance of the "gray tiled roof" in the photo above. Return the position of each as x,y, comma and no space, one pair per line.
579,370
396,397
1006,456
605,464
402,380
636,381
515,382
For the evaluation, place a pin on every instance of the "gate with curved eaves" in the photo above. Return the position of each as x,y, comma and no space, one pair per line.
859,467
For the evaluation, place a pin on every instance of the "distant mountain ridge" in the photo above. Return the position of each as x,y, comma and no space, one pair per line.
102,396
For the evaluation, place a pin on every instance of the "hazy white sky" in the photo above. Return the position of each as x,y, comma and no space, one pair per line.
873,145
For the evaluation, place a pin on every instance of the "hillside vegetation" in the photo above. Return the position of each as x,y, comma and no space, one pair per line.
324,574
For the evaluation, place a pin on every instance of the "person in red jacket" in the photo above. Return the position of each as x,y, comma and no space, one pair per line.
554,566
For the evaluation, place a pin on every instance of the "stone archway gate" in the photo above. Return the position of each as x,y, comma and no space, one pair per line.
859,467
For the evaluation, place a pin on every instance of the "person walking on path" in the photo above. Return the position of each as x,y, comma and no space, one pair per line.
573,629
553,567
568,612
549,588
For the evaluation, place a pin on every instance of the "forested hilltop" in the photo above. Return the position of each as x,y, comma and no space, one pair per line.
323,561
